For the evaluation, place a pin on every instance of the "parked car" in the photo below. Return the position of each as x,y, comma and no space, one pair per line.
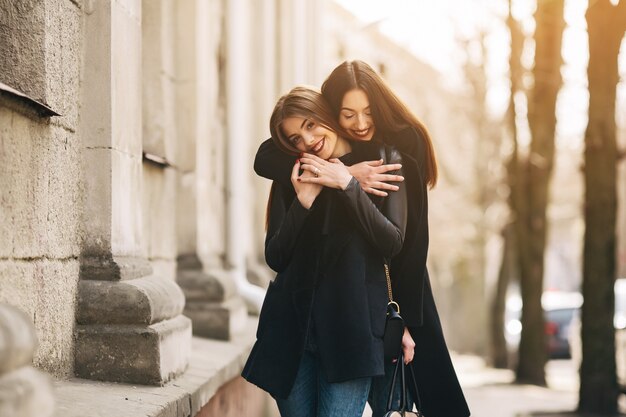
559,308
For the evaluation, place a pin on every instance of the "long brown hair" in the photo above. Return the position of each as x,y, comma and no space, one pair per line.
304,102
389,113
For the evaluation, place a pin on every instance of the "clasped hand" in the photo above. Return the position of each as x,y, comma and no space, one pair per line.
332,173
317,172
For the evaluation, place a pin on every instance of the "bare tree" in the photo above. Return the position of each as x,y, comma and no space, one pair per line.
598,382
499,352
535,173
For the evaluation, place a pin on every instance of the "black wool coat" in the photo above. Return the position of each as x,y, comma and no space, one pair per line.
330,286
440,392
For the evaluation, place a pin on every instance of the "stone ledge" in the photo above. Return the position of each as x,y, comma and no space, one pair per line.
212,364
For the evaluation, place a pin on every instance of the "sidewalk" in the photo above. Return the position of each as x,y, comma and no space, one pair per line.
491,392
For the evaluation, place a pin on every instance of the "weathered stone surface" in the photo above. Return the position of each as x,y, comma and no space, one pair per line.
186,214
40,189
22,39
150,355
165,268
26,392
111,120
17,339
63,50
46,291
199,286
159,213
144,300
113,268
159,125
213,364
259,274
125,24
217,320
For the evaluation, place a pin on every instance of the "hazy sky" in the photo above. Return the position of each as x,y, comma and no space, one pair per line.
432,30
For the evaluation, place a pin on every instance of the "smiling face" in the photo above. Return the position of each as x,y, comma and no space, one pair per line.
355,115
308,135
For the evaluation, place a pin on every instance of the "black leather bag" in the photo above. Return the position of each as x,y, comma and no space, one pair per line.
394,330
394,325
402,409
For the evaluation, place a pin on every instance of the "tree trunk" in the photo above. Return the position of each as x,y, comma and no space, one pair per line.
508,268
598,382
499,351
536,172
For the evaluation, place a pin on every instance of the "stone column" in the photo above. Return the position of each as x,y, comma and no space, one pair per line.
212,302
24,391
130,327
239,199
297,43
265,86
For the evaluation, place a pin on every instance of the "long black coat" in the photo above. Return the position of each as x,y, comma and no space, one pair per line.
440,391
331,282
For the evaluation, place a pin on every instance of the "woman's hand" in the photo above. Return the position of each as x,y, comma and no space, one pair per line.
373,178
408,346
307,193
332,173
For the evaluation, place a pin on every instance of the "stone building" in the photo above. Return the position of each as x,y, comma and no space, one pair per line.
129,213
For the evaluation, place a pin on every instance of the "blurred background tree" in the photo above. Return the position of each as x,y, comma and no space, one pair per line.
534,177
606,24
509,267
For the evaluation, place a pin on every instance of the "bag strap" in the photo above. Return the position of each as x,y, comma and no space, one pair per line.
393,384
403,393
418,401
389,292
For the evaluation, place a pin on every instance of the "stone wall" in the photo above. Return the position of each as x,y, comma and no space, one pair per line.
41,173
141,190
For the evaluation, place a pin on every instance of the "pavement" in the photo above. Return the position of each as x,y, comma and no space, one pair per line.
491,392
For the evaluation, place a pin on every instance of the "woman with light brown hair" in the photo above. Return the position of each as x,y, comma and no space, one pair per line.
367,110
319,339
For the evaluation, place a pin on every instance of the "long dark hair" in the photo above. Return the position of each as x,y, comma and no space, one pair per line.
389,113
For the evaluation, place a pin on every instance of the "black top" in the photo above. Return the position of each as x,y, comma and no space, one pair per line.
439,388
329,261
408,267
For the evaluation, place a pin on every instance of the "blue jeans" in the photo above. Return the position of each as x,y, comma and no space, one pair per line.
379,392
313,396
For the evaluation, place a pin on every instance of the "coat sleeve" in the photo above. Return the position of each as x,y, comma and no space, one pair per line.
286,217
273,164
384,230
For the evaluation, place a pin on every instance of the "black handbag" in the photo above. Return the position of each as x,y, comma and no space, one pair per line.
402,411
394,325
